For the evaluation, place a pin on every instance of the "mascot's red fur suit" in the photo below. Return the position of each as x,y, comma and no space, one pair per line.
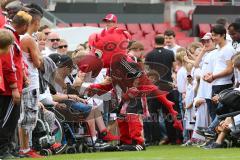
109,50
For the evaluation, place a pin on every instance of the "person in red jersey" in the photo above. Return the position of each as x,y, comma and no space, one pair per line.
13,71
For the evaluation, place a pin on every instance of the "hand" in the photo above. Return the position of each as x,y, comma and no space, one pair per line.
199,102
41,106
90,92
208,77
76,98
185,58
16,97
215,99
26,82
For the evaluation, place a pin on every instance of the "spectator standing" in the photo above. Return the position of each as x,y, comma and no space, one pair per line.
30,95
12,67
170,41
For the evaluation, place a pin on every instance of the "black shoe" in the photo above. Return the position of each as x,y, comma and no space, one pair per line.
7,155
201,131
207,143
214,146
210,134
17,155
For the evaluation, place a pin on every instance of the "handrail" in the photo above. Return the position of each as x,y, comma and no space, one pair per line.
51,17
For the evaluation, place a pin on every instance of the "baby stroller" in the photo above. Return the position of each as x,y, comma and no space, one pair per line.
44,140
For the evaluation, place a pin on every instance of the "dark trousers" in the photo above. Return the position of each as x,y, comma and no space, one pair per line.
9,115
216,89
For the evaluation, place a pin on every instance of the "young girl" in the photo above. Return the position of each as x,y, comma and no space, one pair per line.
189,109
181,82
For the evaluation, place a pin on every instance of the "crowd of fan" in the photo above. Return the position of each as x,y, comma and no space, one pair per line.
37,68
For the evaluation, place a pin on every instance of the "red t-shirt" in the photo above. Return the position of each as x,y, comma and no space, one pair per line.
12,65
2,19
2,88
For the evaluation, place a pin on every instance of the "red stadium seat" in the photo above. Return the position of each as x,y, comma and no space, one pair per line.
77,24
133,28
180,35
91,24
138,36
63,25
176,29
203,29
122,25
185,23
184,42
146,28
150,36
160,28
179,15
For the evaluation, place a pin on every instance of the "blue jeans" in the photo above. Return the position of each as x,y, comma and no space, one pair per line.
82,107
163,130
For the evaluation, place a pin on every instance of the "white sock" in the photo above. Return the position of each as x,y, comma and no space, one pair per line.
25,150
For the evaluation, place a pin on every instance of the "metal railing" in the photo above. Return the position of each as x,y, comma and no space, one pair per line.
52,18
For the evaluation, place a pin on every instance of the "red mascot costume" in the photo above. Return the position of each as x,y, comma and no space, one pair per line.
109,50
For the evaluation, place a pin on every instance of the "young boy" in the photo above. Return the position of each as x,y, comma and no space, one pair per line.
6,39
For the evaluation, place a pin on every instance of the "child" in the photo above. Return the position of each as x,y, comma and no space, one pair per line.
155,129
189,110
6,39
181,74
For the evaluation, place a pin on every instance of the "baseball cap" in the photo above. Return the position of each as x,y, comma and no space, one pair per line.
110,17
61,60
207,36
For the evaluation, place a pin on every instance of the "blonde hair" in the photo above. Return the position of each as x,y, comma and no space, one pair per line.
236,60
78,54
27,17
195,45
22,18
41,35
181,52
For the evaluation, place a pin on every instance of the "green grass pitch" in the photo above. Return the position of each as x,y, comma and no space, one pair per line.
157,153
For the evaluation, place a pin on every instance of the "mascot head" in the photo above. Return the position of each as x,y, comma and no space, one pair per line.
103,47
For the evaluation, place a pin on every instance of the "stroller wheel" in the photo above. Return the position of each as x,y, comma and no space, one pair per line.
79,148
46,152
71,150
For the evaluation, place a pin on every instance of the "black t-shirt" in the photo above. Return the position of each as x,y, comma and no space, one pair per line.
161,60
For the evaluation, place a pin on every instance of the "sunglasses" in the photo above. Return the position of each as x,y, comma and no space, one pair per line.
53,40
189,76
64,46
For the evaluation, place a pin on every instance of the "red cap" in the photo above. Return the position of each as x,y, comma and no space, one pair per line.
110,17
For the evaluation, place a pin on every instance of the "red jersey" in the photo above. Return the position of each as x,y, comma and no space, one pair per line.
2,87
2,19
12,65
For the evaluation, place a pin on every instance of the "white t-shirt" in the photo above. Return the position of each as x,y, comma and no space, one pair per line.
220,63
229,39
205,88
182,79
174,49
48,51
